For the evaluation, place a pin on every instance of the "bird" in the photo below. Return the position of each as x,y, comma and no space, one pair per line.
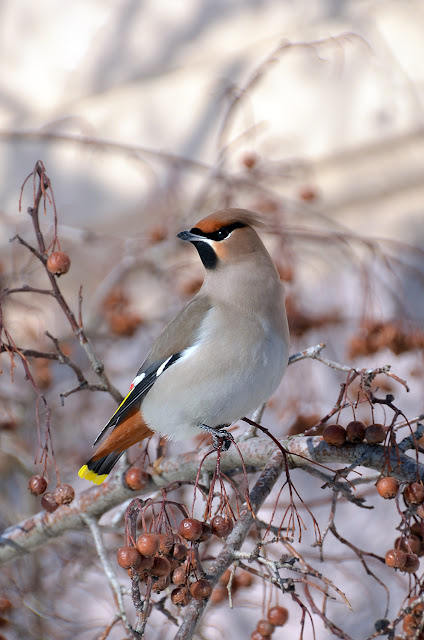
219,359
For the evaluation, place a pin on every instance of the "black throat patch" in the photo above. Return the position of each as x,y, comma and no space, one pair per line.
207,254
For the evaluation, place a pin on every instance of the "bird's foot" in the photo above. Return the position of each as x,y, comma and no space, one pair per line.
220,437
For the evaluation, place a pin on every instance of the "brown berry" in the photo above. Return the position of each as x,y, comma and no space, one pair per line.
181,596
416,528
180,551
265,628
334,434
219,594
409,544
166,543
190,529
128,557
278,616
221,526
257,636
396,558
161,584
243,579
161,567
146,563
58,263
148,544
387,487
64,494
375,433
249,159
355,431
179,576
201,589
37,485
414,493
206,531
412,563
48,502
136,479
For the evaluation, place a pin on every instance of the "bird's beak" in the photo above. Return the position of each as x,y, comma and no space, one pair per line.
189,236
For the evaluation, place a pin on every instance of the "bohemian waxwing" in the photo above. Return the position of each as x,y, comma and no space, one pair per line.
219,359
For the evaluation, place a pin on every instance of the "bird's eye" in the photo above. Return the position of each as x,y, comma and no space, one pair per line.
222,233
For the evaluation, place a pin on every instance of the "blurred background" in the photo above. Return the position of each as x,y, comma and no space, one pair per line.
150,115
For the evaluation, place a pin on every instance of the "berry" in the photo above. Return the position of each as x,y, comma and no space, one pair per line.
249,159
161,584
58,263
355,431
396,558
375,433
180,551
166,543
128,557
37,485
201,589
146,563
181,596
257,636
414,493
48,502
161,567
190,529
221,526
265,627
409,544
387,487
206,531
64,494
148,544
334,434
278,616
179,576
420,511
381,624
136,479
412,563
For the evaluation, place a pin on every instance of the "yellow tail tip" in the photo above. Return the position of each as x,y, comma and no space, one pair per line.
85,473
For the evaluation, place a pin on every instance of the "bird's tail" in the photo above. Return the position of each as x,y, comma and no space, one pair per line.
98,470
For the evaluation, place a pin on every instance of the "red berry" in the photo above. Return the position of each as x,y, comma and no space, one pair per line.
37,485
161,567
265,628
181,596
278,616
148,544
190,529
334,434
58,263
414,493
48,502
221,526
396,558
375,433
64,494
387,487
128,557
355,431
136,479
201,589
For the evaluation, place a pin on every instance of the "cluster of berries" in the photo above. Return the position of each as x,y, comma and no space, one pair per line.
355,432
51,500
277,617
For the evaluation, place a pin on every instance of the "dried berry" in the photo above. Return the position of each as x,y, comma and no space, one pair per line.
190,529
396,558
181,596
64,494
355,431
221,526
128,557
180,551
58,263
278,616
414,493
37,485
148,544
387,487
136,479
206,531
334,434
179,576
166,543
48,502
265,628
161,584
412,563
201,589
409,544
375,433
161,567
146,563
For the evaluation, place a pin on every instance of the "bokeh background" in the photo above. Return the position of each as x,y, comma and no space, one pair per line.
150,115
